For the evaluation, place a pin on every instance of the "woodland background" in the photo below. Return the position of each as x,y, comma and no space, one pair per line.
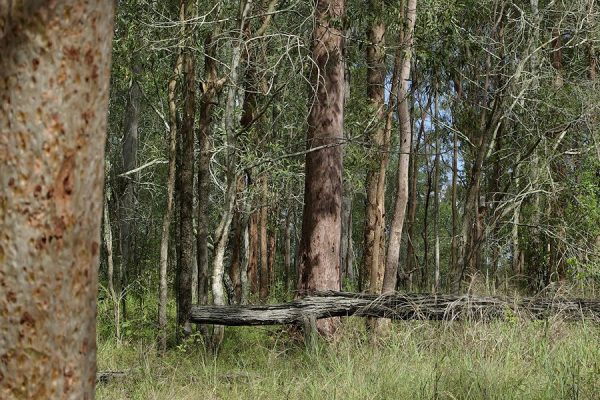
470,153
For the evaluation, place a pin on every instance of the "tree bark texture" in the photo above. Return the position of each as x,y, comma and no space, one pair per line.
374,237
54,80
319,261
400,306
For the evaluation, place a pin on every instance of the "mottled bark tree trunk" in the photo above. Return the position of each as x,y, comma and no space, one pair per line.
53,102
393,253
374,238
319,260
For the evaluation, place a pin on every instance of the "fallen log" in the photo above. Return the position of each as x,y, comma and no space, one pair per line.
402,306
107,376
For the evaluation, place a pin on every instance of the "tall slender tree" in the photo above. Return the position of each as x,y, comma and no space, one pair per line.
404,97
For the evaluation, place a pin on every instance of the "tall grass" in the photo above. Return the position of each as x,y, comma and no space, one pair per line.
509,359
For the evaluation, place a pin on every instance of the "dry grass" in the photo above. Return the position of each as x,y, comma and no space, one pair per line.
510,359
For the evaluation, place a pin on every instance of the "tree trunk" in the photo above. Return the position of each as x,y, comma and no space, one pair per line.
114,298
54,96
411,264
272,255
222,232
424,270
436,195
287,252
319,260
399,306
245,270
253,252
393,254
375,211
127,190
264,262
186,216
235,266
166,226
212,86
346,239
454,269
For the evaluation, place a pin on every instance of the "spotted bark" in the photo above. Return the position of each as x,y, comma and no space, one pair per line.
375,210
54,78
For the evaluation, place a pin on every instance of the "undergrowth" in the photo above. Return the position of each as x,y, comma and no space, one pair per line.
509,359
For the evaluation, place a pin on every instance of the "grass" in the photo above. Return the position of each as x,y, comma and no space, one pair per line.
509,359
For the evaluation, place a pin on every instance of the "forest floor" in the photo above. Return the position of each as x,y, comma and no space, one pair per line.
508,359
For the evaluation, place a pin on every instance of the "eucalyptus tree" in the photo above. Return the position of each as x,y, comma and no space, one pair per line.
54,91
319,261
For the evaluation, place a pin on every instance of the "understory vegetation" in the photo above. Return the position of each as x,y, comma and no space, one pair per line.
508,359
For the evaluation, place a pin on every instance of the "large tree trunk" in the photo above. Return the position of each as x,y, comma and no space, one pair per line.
54,97
393,253
319,260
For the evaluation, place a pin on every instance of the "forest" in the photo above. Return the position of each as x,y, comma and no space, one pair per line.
299,199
